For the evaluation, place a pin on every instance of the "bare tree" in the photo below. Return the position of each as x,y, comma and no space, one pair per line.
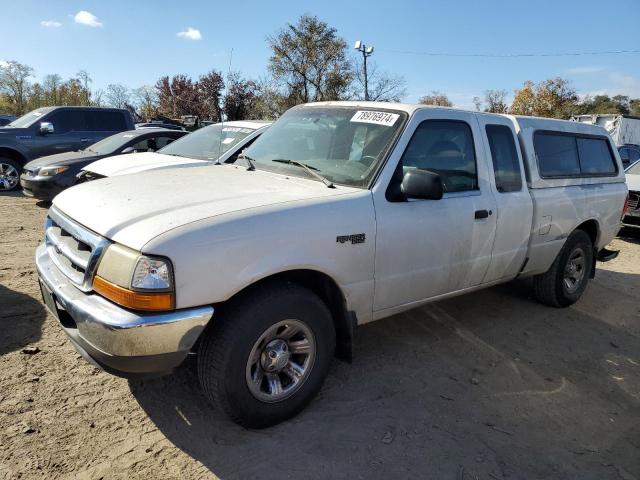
477,103
382,86
14,83
146,102
117,95
84,79
436,98
496,101
309,61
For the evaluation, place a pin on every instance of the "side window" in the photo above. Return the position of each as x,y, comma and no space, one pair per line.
108,121
143,145
595,157
163,141
506,165
624,155
634,155
66,121
557,155
444,147
562,155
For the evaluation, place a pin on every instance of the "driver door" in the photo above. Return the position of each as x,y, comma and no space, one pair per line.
426,248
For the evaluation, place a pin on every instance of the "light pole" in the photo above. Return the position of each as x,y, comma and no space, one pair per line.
366,52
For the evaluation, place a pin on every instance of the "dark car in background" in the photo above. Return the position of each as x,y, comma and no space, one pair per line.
629,154
47,176
51,130
5,119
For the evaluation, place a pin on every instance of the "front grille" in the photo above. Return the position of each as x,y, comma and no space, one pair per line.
634,200
74,249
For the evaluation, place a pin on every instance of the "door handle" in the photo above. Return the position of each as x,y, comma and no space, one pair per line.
480,214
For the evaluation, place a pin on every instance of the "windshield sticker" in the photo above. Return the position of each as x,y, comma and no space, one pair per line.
378,118
231,129
37,114
228,140
128,136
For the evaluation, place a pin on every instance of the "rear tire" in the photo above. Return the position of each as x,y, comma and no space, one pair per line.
9,174
247,361
563,284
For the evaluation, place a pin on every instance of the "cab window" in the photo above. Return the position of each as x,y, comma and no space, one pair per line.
506,165
65,121
444,147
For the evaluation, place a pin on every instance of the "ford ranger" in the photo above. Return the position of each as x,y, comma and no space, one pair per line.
340,214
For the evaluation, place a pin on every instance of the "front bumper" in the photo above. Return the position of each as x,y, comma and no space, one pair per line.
42,188
118,340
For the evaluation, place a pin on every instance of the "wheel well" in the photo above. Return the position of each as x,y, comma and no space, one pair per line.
590,227
13,155
327,289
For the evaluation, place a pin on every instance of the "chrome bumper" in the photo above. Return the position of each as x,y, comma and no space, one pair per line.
119,340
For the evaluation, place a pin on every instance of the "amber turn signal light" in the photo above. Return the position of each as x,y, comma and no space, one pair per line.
134,300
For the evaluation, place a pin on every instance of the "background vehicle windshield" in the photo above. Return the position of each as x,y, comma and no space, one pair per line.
634,169
27,119
343,144
112,143
208,143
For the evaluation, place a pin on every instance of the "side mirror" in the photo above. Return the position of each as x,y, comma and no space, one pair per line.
46,127
422,184
128,150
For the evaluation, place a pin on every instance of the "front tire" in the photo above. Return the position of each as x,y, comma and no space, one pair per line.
267,356
564,283
9,174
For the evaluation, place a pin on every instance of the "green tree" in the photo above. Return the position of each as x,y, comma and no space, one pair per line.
15,85
309,61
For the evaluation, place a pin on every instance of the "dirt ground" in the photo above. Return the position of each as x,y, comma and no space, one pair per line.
491,385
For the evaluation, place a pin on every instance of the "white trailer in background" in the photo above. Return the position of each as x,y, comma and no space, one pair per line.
624,130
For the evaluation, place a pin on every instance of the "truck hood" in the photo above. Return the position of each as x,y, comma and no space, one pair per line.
138,162
633,182
133,209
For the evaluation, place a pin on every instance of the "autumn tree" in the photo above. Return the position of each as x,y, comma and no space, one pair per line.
553,98
309,61
209,92
437,99
495,101
14,85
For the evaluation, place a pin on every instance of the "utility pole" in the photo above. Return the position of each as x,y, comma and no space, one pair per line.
366,52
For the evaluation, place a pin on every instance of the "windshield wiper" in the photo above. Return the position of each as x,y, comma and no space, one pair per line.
252,166
310,169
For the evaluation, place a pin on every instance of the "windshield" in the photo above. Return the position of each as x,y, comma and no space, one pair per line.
208,143
111,144
343,144
27,119
634,169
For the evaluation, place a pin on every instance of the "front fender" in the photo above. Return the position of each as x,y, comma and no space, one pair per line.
216,258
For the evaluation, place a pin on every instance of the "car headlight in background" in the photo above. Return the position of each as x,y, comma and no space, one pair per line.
51,171
135,281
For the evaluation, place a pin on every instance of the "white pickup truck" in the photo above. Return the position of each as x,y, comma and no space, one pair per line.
339,214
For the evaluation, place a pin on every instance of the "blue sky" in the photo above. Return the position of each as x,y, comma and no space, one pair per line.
135,42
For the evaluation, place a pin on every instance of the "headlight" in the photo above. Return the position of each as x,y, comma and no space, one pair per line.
135,281
51,171
151,274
